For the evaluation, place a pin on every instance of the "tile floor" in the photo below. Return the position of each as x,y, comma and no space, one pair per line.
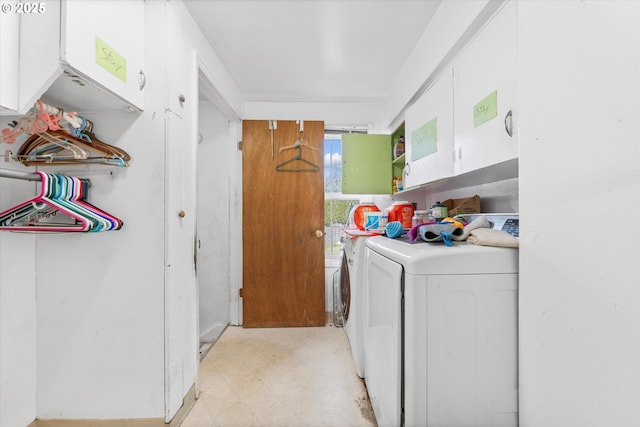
280,377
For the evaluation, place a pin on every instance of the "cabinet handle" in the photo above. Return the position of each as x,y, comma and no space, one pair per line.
407,169
142,80
508,123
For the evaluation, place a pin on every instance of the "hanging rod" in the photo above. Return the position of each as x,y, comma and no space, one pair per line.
29,176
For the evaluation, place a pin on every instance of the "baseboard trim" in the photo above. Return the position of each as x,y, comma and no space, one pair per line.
138,422
187,404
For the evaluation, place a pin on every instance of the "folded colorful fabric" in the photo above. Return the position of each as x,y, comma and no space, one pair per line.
436,232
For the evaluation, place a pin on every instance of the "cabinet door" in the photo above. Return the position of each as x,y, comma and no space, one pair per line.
366,164
9,36
180,279
104,40
429,134
39,57
485,93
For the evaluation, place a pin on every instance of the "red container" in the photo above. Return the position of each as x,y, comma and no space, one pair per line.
401,212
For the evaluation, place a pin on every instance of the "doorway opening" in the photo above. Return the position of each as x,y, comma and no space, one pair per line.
215,207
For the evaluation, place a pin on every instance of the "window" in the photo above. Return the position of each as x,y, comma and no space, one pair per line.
336,205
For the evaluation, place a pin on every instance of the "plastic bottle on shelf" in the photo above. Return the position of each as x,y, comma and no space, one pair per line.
398,148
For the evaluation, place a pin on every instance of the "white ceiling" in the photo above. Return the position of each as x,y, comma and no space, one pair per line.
313,50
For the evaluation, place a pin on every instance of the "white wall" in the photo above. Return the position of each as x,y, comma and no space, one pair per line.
452,26
101,297
17,312
9,32
214,219
365,114
188,59
495,197
97,299
579,155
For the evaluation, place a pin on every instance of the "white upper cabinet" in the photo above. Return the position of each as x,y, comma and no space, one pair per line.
466,120
87,54
485,90
429,134
104,40
9,72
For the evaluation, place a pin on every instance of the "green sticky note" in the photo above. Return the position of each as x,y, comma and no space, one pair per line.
424,140
486,109
110,60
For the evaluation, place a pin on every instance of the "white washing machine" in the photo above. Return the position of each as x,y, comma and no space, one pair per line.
440,332
352,293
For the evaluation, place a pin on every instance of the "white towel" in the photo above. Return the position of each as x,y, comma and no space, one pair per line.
480,222
490,237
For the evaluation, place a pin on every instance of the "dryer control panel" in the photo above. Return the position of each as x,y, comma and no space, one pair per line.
505,222
508,223
512,226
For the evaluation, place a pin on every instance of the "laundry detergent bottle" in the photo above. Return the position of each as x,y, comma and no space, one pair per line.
357,214
402,212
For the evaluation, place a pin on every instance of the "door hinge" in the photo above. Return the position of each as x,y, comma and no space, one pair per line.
240,293
239,145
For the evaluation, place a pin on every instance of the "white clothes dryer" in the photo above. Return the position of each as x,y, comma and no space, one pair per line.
440,332
352,293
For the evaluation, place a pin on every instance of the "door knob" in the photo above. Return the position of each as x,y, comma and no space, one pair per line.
319,233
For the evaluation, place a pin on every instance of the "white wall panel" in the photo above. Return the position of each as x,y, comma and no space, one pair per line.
579,293
100,295
214,215
17,313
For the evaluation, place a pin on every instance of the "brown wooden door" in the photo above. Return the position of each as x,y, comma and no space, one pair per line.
282,226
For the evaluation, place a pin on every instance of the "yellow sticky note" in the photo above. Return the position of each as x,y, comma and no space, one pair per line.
110,60
486,109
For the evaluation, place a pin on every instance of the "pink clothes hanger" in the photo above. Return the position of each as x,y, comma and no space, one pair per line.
27,215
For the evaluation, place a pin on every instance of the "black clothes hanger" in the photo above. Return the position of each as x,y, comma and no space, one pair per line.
300,142
311,167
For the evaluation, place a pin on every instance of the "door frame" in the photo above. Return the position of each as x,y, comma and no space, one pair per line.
208,88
